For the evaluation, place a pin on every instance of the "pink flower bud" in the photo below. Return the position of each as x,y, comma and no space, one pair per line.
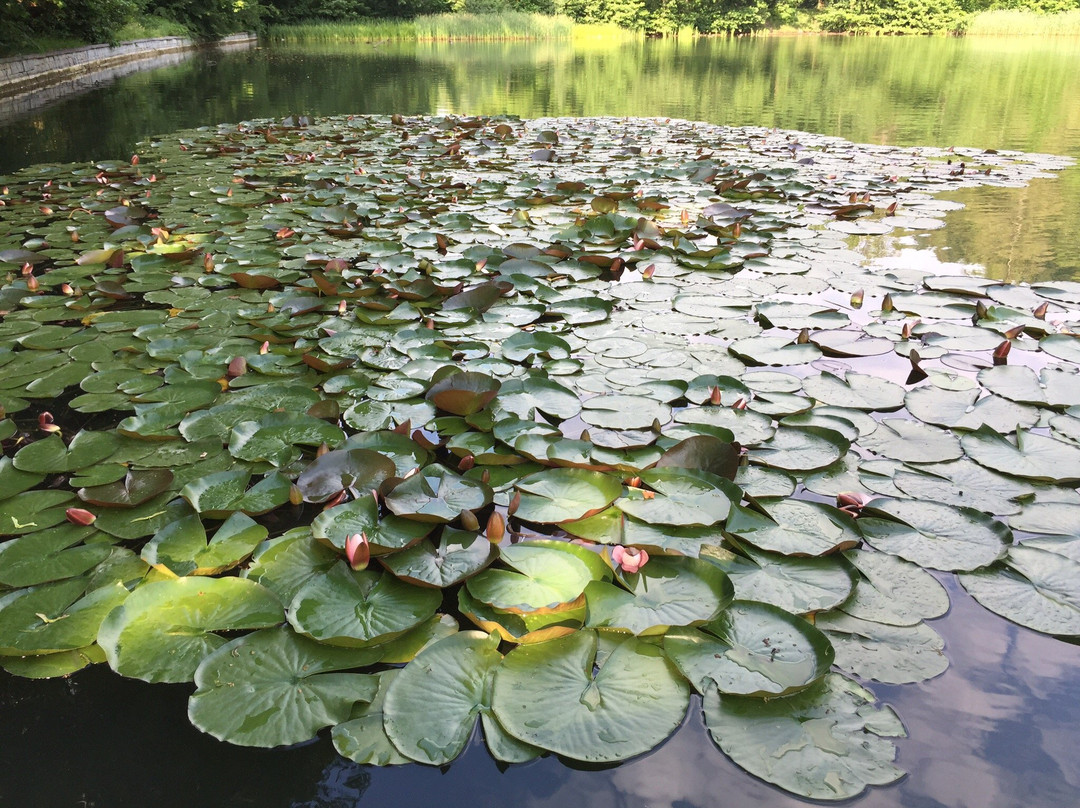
629,559
358,551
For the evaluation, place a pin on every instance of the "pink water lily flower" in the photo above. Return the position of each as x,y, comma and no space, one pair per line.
629,559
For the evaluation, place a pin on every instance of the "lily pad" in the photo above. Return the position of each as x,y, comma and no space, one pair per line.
166,628
359,608
274,688
826,743
559,696
431,707
751,649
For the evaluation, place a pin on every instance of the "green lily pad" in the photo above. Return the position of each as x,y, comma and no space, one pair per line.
459,555
436,494
560,495
50,666
431,706
275,438
1032,456
181,547
359,608
934,535
667,591
801,449
361,515
50,555
751,649
540,578
57,616
893,591
684,497
284,564
1033,587
799,528
166,628
560,696
220,495
891,654
795,584
826,743
274,688
50,455
912,442
363,739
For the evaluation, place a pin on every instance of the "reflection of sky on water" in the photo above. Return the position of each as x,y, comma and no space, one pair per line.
999,729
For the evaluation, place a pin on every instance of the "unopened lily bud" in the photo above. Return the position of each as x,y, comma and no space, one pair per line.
358,551
515,503
237,367
714,396
469,520
466,463
1040,312
1001,353
264,348
80,516
857,299
496,528
324,447
296,496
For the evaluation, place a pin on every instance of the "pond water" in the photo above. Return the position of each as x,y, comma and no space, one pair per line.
998,729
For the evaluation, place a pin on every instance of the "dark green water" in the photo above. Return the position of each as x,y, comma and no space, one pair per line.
999,729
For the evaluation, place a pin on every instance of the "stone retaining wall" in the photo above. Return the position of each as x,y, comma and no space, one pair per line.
23,74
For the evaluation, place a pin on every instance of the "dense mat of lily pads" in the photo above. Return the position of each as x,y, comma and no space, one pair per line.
393,424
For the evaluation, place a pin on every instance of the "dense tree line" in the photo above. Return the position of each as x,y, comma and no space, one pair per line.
100,20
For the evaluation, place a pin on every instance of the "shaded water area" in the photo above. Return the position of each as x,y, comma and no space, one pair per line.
998,729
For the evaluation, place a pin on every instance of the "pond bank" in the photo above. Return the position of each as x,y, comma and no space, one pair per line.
57,71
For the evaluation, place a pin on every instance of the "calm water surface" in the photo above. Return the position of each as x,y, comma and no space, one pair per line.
999,729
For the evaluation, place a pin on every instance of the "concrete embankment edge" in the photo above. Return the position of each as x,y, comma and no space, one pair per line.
25,74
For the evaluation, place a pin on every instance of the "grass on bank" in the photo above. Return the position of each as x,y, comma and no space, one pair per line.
435,27
1024,23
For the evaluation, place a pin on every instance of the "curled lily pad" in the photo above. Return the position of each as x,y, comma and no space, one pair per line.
751,649
463,393
559,695
355,469
798,527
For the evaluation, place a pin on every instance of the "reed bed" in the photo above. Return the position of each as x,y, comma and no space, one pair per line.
446,27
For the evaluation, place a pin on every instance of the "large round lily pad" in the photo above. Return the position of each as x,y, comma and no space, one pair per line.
274,688
560,696
165,629
751,649
826,743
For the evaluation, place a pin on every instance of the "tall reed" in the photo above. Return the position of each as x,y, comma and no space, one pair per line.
444,27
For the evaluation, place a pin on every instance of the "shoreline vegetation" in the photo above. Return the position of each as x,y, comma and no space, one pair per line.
35,26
